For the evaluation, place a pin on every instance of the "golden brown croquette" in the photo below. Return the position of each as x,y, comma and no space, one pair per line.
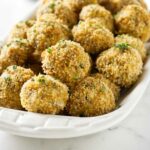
66,61
44,94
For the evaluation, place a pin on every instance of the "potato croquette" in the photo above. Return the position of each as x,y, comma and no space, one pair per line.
14,52
133,20
97,11
121,64
116,5
77,5
44,94
92,36
91,97
57,7
11,82
20,30
44,34
66,61
133,42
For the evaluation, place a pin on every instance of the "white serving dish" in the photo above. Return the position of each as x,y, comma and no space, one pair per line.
55,127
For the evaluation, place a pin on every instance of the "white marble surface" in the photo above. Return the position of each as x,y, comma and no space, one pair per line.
131,134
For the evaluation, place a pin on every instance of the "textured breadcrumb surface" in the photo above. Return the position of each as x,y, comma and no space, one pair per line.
133,42
66,61
46,33
121,66
11,82
20,29
44,94
116,5
92,36
77,5
133,20
91,97
61,10
15,52
97,11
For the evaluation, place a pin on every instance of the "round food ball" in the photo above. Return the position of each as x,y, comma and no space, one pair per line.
77,5
44,94
133,20
63,12
93,36
20,30
11,82
91,97
133,42
66,61
44,34
116,5
14,52
97,11
121,64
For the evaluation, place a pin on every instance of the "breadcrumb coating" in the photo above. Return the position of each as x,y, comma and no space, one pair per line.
121,64
66,61
44,94
91,97
44,34
77,5
15,52
97,11
93,36
133,20
62,12
133,42
114,88
116,5
20,29
11,82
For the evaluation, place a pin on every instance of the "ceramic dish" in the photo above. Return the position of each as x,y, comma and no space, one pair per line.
50,126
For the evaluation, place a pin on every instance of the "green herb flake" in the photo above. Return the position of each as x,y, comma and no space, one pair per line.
32,79
102,89
7,79
81,66
52,6
75,77
49,50
80,22
122,46
41,80
14,67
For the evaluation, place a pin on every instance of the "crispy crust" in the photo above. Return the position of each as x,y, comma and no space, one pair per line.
133,20
122,67
67,61
93,36
11,82
97,11
91,97
44,94
133,42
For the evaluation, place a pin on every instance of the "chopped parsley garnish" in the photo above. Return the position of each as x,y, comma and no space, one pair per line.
102,89
52,6
14,67
122,46
80,22
81,66
49,50
7,79
32,79
41,80
75,77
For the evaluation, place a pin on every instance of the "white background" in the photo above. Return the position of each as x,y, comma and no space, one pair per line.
132,134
